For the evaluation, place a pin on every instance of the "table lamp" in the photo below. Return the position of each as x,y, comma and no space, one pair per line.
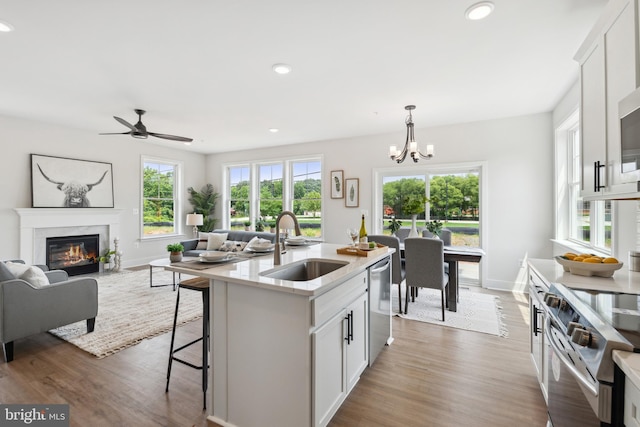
195,220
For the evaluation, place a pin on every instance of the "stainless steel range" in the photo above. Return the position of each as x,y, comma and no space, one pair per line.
581,334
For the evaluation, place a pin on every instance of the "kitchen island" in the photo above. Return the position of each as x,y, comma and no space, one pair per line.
288,352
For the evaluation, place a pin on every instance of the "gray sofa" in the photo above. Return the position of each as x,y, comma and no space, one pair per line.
234,235
27,310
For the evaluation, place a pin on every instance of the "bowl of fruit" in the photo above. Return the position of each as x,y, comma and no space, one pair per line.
588,264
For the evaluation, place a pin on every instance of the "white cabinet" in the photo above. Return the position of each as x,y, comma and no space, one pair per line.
340,350
608,72
631,404
537,289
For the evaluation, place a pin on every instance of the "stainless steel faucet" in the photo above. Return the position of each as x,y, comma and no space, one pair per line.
278,249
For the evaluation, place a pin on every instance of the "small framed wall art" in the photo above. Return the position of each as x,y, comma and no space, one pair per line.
337,184
58,182
352,192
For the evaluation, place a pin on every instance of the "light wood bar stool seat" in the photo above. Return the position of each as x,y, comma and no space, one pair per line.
199,284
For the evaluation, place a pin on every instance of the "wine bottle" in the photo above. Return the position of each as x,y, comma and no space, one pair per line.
363,231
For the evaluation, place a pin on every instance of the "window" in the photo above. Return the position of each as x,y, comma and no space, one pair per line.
239,203
454,199
270,196
589,222
159,201
258,192
307,195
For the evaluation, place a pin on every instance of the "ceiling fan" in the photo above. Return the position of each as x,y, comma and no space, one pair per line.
140,131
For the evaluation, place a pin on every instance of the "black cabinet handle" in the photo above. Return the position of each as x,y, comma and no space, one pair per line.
349,320
596,176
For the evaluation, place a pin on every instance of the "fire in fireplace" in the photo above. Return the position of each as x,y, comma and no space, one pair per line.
74,254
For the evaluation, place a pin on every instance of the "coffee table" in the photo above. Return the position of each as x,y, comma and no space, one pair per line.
162,262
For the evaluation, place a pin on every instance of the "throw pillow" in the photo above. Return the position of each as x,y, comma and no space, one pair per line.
16,268
202,245
5,274
36,277
232,246
216,240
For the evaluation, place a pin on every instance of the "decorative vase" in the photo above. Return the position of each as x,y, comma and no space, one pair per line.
414,231
175,257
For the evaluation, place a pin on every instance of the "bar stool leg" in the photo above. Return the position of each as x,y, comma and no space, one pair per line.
205,346
173,337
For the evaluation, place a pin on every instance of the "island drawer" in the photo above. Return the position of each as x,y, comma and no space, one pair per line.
328,304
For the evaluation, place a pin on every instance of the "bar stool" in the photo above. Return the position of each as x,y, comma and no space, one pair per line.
200,284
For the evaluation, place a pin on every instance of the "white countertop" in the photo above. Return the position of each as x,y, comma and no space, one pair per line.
623,280
248,272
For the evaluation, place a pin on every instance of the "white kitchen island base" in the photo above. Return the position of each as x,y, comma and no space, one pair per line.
282,353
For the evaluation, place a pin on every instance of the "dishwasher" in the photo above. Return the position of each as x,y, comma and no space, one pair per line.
379,307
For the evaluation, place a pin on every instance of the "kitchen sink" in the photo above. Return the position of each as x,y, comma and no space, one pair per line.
301,271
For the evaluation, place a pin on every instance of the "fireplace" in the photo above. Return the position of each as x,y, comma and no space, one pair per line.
74,254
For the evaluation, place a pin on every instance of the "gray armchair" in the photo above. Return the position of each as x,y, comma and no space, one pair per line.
28,310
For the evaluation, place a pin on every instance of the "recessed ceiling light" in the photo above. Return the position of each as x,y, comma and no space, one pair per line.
281,68
273,130
186,143
5,27
479,11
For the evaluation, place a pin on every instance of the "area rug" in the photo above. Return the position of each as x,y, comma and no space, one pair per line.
476,311
130,311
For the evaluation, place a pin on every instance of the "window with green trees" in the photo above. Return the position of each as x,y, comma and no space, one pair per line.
258,192
159,199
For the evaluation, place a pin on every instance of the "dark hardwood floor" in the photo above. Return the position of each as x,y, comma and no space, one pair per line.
430,376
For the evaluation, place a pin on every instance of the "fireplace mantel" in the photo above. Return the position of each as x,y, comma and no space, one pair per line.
33,220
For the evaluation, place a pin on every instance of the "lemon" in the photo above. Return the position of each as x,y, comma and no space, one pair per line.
593,260
610,260
570,255
585,255
579,258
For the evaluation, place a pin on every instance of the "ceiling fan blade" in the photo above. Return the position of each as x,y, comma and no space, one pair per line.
171,137
115,133
124,122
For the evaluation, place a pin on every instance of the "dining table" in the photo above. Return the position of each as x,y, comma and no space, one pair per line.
452,256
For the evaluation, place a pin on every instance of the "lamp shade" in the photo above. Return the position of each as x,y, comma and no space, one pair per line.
286,223
194,219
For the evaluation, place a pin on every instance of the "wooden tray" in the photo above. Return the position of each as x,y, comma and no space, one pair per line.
350,250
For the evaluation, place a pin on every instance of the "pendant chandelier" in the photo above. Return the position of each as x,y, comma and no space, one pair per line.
410,145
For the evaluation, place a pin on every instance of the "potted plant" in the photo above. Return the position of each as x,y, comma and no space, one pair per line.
272,226
435,227
204,202
247,225
106,257
414,205
176,250
394,225
260,224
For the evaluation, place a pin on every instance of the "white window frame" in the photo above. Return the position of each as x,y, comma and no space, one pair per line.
566,199
178,195
254,192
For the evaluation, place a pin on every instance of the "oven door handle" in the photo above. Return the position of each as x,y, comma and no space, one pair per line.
565,360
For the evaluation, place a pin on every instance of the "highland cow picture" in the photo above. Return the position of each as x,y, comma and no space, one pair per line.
58,182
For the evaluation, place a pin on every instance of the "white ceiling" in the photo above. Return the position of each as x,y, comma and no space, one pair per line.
202,68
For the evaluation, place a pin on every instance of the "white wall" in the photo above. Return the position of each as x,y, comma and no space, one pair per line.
20,138
519,157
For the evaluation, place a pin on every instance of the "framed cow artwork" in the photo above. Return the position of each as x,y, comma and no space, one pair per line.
59,182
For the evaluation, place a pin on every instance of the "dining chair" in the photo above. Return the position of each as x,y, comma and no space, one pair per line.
424,266
402,233
445,235
397,269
